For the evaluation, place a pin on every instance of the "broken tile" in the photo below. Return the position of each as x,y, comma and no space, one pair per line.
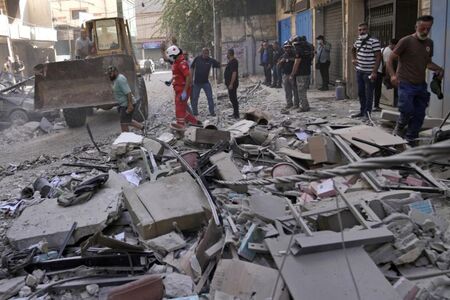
167,242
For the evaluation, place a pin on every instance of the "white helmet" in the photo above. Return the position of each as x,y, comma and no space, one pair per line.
172,52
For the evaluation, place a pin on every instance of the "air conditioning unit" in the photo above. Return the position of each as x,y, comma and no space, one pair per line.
288,6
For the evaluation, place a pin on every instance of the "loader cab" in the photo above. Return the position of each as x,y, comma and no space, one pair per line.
109,36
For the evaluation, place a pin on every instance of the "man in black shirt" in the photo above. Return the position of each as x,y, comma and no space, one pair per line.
277,54
301,71
232,81
201,66
290,86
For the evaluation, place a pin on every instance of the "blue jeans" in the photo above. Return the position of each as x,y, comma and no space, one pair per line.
413,100
196,93
365,92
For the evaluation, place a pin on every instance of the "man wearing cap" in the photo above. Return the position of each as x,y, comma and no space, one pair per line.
125,99
323,61
290,86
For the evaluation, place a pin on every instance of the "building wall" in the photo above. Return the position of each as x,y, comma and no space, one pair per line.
38,12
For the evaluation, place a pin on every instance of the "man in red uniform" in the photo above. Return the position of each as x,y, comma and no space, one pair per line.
181,81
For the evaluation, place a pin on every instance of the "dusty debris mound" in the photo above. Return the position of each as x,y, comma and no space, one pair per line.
261,208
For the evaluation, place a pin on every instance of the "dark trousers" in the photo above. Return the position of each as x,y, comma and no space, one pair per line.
324,69
365,92
377,90
413,100
234,101
268,74
277,76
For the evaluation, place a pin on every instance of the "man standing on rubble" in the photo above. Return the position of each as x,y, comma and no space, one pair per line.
414,53
201,66
266,57
277,54
301,70
366,58
181,81
232,81
290,86
323,61
125,99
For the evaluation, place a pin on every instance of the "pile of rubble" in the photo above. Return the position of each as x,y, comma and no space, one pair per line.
264,208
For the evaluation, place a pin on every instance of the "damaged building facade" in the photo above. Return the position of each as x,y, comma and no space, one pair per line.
338,20
26,29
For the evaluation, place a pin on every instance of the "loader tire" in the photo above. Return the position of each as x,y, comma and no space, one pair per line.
75,117
141,112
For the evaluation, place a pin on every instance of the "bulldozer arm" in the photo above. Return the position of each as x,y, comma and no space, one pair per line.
80,83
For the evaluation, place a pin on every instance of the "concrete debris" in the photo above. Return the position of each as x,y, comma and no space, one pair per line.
178,285
161,228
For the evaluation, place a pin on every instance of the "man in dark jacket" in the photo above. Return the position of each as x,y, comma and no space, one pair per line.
290,86
277,76
201,66
266,52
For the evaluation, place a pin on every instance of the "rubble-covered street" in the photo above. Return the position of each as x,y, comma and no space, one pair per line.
277,205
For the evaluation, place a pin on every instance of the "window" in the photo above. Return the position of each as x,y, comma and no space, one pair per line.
76,13
107,35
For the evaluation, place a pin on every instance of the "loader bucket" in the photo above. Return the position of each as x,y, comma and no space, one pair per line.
79,83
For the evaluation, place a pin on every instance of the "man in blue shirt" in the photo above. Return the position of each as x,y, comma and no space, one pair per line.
125,99
201,66
266,52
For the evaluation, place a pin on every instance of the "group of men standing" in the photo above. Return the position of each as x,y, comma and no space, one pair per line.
404,64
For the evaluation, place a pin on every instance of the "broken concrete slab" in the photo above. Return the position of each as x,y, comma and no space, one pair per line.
240,128
128,138
206,136
178,285
228,170
155,206
50,221
153,146
167,242
258,116
245,280
302,273
392,116
267,207
10,287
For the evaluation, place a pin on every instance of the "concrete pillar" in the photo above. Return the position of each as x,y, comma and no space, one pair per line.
354,14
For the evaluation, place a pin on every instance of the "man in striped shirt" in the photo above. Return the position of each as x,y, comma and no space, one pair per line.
366,59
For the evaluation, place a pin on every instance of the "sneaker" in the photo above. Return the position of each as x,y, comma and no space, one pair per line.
233,116
377,108
358,115
399,130
303,110
288,107
296,107
212,115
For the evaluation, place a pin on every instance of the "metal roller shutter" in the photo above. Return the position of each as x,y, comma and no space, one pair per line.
333,34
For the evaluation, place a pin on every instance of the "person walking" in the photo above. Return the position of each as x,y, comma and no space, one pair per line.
385,54
181,82
277,75
323,61
290,86
125,99
414,54
231,76
8,71
366,59
301,71
201,67
266,57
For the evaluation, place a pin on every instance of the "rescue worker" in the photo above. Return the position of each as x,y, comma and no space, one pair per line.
181,81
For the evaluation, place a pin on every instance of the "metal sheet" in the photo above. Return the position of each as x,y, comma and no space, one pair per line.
79,83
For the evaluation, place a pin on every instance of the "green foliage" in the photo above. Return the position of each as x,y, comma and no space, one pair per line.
190,21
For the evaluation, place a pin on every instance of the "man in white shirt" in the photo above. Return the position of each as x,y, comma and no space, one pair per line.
385,54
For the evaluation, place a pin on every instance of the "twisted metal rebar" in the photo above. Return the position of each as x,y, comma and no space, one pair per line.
425,153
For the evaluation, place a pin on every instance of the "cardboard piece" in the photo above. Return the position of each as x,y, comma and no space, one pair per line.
370,134
323,150
245,280
323,189
154,206
206,136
